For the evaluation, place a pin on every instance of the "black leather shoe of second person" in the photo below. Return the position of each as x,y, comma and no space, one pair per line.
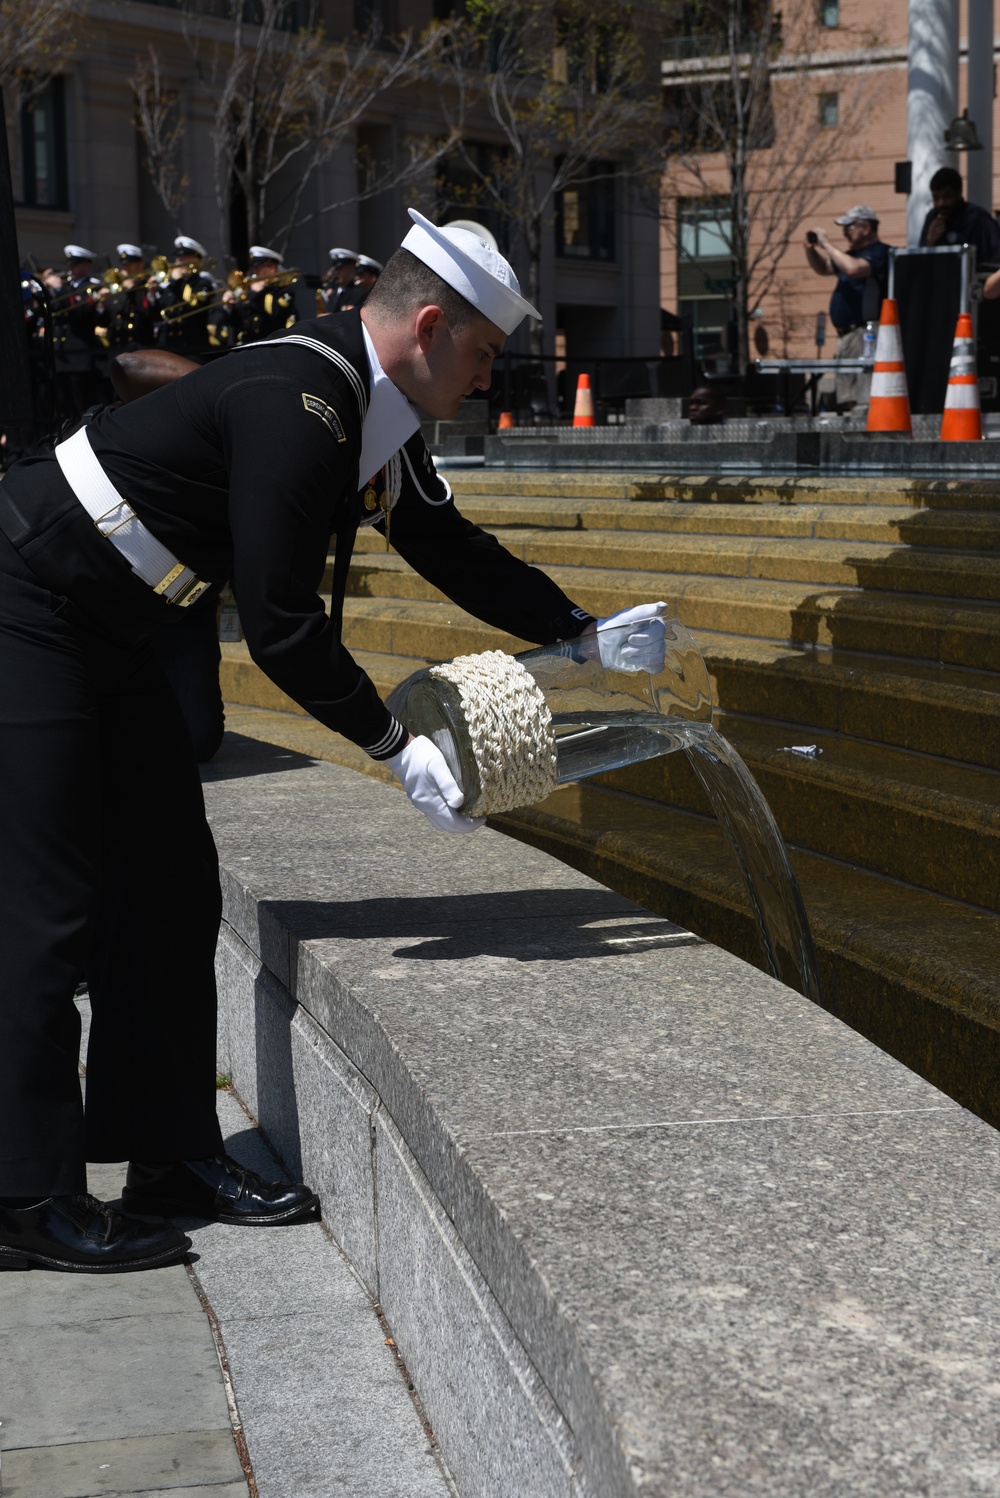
220,1189
84,1236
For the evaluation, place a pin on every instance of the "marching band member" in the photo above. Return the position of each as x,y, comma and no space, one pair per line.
188,304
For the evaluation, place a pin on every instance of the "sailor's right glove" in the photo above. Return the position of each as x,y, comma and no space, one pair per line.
423,772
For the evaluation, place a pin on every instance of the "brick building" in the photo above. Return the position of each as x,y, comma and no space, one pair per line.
843,70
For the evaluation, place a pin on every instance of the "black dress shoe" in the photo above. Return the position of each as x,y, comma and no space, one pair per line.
82,1235
220,1189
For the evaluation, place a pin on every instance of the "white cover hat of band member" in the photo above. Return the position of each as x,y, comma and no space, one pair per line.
261,252
472,268
365,262
77,252
129,252
185,245
336,255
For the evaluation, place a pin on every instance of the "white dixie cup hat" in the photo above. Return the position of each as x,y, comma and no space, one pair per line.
473,268
185,245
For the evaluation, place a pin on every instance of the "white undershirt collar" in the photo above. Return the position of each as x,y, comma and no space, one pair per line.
390,421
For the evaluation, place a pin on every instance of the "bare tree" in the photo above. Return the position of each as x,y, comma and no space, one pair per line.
571,100
161,126
37,38
286,100
749,132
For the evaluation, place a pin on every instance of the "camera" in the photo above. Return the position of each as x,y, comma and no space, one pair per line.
812,237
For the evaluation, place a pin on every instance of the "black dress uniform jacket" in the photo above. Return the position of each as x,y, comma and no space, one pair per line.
107,867
244,470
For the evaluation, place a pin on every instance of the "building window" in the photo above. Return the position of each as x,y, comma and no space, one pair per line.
375,15
43,148
829,110
585,219
705,276
829,13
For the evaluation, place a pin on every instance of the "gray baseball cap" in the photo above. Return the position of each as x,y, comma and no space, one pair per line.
860,213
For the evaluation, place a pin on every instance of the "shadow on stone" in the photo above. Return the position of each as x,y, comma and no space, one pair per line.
240,757
523,925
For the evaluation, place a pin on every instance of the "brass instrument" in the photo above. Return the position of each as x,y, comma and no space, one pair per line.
180,310
268,283
284,277
159,270
239,285
114,279
86,294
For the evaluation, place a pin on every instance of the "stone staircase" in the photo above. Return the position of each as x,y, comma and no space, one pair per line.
862,617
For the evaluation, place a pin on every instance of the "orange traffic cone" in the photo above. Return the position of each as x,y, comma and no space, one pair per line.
889,401
962,421
583,411
506,421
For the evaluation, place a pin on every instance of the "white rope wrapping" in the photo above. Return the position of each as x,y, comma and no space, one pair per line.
509,727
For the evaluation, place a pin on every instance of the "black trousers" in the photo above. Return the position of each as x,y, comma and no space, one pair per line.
108,869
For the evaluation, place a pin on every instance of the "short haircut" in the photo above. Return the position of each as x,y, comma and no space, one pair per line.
946,176
407,284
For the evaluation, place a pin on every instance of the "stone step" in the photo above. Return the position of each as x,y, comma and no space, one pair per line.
892,524
949,573
944,631
913,971
928,823
935,494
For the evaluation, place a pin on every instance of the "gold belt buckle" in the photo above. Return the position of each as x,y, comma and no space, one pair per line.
171,577
190,593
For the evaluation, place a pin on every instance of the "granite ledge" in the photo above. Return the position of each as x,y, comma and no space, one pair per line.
703,1238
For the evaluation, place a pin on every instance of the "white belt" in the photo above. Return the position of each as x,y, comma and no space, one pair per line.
118,522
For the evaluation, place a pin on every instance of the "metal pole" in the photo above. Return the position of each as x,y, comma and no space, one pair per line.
979,187
932,99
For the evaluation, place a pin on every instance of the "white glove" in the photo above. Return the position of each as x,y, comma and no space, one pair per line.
423,772
633,640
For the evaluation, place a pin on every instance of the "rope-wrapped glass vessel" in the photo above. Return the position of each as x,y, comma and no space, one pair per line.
512,728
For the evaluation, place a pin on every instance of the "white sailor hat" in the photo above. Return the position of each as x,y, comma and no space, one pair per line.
129,252
472,268
336,255
365,262
77,252
261,252
185,245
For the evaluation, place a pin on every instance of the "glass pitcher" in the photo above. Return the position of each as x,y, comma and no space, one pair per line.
593,714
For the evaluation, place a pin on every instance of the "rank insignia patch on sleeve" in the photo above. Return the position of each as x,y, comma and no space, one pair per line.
325,413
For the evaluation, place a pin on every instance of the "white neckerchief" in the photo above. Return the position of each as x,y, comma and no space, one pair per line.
390,421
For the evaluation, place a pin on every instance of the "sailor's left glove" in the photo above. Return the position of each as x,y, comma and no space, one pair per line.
634,639
423,772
